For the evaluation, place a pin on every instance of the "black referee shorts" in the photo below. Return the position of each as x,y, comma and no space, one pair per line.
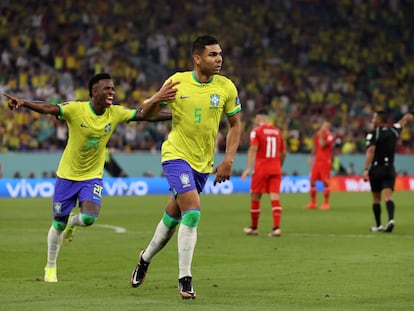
381,177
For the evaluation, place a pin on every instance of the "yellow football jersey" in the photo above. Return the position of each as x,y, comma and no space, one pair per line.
84,154
196,114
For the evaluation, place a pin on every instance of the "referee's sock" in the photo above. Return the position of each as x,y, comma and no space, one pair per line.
376,208
390,209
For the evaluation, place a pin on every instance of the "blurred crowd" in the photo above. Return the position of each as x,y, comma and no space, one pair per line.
306,60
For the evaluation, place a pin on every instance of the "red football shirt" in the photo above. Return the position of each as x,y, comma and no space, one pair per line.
270,144
323,154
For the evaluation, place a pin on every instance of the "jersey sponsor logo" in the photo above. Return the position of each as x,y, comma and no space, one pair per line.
214,101
185,180
83,125
183,97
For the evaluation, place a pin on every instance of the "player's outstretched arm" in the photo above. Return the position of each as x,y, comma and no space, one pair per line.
151,107
406,118
161,116
42,107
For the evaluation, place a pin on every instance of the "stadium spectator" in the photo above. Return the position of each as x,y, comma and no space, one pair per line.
303,59
266,154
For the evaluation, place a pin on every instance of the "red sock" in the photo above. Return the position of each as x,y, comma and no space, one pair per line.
255,212
277,213
313,194
326,194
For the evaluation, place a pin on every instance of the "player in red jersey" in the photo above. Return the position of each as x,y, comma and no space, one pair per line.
321,162
267,152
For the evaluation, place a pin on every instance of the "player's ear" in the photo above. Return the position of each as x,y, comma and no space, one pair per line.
196,58
94,90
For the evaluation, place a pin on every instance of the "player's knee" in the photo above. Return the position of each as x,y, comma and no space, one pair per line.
191,218
170,221
88,219
58,225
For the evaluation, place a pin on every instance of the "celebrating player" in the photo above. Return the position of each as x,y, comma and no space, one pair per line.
80,171
267,152
188,154
321,162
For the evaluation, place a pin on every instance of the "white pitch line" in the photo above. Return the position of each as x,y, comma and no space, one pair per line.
115,228
365,236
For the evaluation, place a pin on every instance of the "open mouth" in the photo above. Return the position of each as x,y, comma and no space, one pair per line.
109,100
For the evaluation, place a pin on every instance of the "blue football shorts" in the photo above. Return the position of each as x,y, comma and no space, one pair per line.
182,178
68,192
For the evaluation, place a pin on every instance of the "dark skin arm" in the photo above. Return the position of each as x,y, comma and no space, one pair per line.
38,106
15,103
151,106
161,116
151,110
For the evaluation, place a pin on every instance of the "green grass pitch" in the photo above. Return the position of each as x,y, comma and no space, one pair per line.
325,260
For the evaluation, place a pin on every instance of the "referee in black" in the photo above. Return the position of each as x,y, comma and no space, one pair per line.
379,165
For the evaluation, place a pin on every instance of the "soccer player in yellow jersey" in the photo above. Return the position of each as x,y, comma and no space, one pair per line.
203,96
80,171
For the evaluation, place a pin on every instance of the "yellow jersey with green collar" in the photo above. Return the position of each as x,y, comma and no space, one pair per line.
84,154
196,114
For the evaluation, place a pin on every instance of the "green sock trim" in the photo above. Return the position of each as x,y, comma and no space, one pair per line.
170,221
88,219
191,218
58,225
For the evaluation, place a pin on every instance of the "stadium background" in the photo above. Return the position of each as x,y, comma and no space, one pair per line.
304,59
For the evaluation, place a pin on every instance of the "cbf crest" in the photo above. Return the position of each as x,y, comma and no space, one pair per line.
57,208
185,180
214,101
108,128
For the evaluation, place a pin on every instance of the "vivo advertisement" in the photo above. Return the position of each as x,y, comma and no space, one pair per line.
37,187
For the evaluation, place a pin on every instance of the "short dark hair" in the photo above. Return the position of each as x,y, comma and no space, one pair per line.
262,111
200,43
96,78
382,115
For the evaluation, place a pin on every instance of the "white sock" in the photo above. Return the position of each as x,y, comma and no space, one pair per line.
54,241
161,237
187,240
76,221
